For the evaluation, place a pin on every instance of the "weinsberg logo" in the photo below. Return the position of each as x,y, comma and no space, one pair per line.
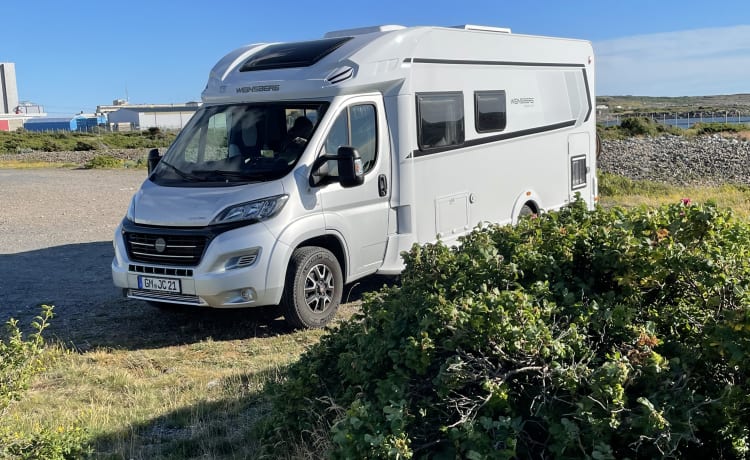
258,89
522,100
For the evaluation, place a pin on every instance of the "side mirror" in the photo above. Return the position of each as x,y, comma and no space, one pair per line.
348,167
351,171
153,160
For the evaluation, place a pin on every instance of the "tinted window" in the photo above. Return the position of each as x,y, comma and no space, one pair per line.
440,120
489,111
296,54
355,126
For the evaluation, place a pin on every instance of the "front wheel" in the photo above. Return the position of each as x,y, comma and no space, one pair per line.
313,288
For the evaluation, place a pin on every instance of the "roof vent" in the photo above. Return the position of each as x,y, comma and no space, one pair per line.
340,74
502,30
362,31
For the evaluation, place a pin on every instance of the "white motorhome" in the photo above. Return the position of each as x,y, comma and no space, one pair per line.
313,164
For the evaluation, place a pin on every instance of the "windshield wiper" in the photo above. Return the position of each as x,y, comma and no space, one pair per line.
224,173
181,173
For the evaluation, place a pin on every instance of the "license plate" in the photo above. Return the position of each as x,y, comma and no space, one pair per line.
159,284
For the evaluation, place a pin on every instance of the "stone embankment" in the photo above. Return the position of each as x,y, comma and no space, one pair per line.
702,160
78,158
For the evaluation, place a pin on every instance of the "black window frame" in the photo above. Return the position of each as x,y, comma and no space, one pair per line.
477,95
440,148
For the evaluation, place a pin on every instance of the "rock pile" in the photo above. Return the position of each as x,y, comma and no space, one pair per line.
78,158
702,160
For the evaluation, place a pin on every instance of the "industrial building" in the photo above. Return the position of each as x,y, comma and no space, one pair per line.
123,116
13,113
120,116
81,123
8,88
8,98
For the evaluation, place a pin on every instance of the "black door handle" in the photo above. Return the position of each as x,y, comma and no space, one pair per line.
382,185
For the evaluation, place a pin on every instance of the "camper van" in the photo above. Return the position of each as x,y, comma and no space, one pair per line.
312,164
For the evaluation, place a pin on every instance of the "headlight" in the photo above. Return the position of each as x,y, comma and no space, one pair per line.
253,210
131,210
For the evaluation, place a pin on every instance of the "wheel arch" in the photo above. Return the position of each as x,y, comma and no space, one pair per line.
333,243
527,198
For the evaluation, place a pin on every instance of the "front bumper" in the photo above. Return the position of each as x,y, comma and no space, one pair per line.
218,280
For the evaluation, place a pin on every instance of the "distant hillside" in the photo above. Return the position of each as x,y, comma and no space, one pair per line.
683,103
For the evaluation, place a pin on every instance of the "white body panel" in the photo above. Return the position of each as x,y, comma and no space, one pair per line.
541,157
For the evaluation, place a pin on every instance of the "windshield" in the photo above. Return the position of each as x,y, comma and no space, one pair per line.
238,144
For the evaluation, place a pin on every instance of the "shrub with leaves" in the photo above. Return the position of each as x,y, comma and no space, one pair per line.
103,162
712,128
20,359
575,334
61,443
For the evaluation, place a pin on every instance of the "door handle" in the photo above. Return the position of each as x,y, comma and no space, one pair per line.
382,185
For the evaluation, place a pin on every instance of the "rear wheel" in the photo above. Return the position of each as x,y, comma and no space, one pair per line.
313,288
526,210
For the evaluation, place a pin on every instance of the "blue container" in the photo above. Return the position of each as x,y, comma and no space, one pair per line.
50,124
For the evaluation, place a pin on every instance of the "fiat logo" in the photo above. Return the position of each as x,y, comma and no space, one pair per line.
160,245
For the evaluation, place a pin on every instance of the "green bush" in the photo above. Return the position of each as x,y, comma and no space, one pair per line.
62,443
82,146
638,126
712,128
575,334
103,162
20,360
13,142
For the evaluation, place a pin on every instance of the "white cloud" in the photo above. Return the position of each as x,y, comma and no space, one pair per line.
686,63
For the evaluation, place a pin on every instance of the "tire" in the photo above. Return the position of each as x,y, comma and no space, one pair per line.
313,288
525,211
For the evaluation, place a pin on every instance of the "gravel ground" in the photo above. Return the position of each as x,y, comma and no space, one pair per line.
56,228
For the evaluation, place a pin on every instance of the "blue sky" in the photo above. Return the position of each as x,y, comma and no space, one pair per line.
73,56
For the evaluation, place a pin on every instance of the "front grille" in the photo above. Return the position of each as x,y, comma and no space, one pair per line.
184,250
165,297
160,270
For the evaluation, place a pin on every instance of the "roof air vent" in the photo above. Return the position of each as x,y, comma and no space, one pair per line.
340,74
362,31
502,30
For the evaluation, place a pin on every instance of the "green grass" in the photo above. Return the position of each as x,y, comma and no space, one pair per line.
621,191
198,400
159,385
22,164
145,383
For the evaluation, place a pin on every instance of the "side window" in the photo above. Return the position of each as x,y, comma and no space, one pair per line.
355,126
216,138
211,144
489,111
440,120
363,133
